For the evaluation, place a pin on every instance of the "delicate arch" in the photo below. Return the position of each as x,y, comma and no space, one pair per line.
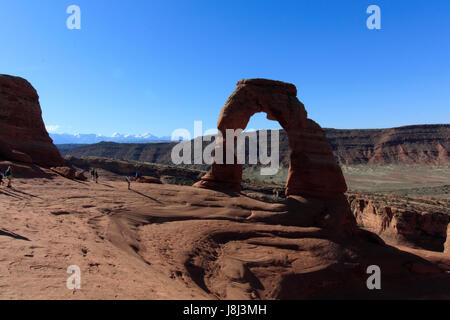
313,169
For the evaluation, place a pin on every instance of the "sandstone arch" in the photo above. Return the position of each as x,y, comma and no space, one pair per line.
313,169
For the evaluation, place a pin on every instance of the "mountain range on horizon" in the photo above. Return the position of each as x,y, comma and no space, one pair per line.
91,138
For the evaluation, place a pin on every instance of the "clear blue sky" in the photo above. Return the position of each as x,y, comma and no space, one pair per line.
154,66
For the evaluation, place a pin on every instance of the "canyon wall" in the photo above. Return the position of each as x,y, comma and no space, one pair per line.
419,144
411,222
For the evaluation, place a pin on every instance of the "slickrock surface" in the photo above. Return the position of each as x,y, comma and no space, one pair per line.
175,242
169,174
23,136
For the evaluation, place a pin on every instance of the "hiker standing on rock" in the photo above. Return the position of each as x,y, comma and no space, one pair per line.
8,175
92,174
129,182
96,176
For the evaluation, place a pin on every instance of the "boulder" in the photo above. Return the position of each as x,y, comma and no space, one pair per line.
66,172
148,180
23,137
70,173
80,176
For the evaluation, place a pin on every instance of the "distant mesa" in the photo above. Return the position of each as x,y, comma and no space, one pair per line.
23,137
415,144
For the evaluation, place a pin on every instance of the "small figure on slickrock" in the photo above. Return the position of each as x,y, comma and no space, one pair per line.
447,242
313,171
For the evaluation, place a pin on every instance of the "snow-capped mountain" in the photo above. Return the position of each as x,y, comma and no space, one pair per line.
65,138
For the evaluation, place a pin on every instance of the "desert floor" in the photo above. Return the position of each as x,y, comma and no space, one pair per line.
409,180
49,224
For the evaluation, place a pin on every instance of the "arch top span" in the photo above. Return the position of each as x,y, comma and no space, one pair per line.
277,99
286,87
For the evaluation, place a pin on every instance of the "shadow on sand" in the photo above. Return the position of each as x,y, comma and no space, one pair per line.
146,196
12,235
12,192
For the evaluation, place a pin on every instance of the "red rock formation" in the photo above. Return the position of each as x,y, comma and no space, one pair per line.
69,173
419,144
313,171
23,136
66,172
80,176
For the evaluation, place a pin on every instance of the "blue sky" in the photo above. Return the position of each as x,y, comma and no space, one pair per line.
154,66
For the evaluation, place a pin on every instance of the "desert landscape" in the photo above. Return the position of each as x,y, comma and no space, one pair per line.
221,231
